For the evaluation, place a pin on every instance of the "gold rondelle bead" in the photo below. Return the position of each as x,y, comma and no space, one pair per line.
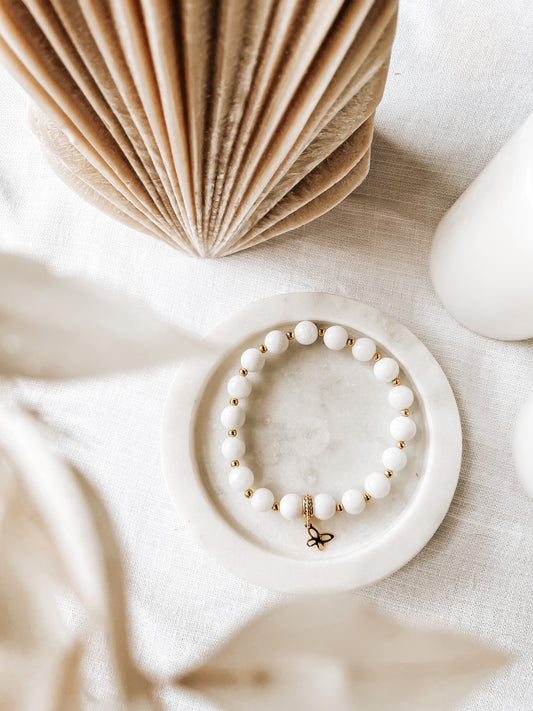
235,463
275,506
350,342
234,401
377,356
400,444
249,493
340,507
243,372
406,412
366,497
290,335
307,505
388,473
396,381
321,332
263,348
232,433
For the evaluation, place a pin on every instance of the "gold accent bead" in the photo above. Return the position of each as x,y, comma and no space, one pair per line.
249,493
235,463
243,372
275,506
350,342
321,332
400,444
396,381
263,348
307,505
340,507
234,401
388,473
406,412
367,497
377,356
290,335
232,433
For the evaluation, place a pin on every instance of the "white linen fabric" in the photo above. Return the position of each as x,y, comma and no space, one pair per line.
460,83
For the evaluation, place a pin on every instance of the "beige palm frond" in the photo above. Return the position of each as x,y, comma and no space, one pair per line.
210,125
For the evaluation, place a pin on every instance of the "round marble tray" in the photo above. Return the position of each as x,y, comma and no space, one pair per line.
317,421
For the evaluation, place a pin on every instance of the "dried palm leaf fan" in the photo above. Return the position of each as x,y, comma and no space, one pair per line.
210,125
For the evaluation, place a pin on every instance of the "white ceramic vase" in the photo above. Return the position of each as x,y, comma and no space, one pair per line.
482,255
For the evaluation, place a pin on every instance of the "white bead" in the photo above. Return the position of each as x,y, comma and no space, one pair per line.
403,428
377,485
364,349
335,338
262,500
276,342
233,448
400,397
239,386
394,459
252,359
290,506
386,369
306,332
353,501
232,416
241,478
324,506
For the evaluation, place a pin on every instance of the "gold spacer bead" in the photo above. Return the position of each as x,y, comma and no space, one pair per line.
233,401
307,505
406,412
290,335
339,507
350,342
396,381
388,473
275,506
232,433
249,493
243,372
400,444
235,463
263,348
377,356
367,497
321,332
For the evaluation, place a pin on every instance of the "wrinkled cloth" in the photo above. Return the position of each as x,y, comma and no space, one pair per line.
459,85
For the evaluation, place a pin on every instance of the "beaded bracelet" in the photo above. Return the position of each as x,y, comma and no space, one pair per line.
321,506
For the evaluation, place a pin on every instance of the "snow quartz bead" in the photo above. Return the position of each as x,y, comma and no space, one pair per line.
262,500
325,506
290,506
233,448
241,478
253,360
335,338
232,417
239,387
364,349
306,333
276,342
322,506
401,397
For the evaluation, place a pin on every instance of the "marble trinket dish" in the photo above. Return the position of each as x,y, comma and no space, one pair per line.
316,421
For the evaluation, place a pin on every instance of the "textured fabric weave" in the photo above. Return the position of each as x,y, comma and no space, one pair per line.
460,84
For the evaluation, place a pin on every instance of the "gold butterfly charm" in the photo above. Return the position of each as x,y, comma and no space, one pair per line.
318,539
